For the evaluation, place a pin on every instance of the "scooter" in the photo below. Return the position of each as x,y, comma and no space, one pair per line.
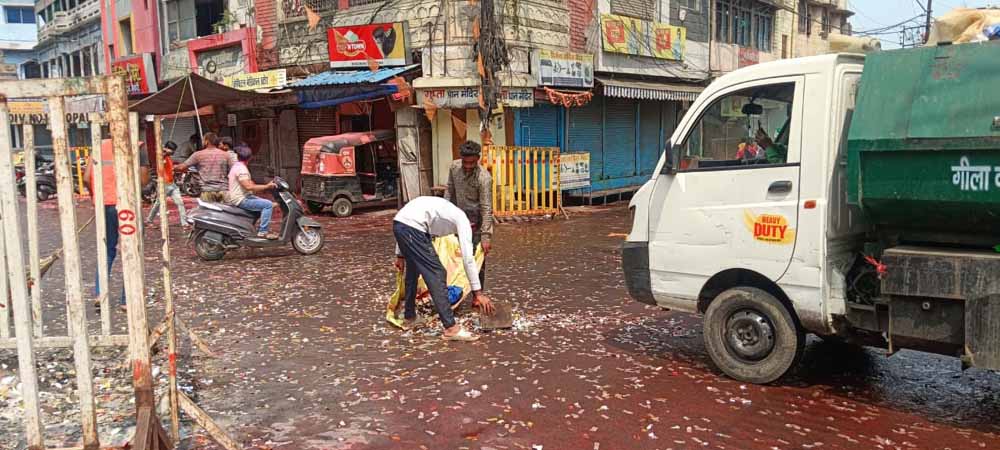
219,228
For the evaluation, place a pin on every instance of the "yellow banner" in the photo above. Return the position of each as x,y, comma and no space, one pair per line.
269,79
631,36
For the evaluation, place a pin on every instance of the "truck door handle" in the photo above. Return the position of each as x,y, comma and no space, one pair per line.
780,187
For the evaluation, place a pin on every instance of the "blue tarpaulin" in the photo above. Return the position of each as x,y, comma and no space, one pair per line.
334,87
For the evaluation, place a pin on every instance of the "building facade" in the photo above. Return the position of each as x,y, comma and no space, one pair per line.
69,38
18,38
747,32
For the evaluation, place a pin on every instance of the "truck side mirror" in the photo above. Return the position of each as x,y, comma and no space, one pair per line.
673,160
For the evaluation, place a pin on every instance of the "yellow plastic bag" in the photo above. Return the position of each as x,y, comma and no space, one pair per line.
450,253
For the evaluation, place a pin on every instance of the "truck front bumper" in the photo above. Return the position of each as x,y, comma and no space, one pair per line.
635,265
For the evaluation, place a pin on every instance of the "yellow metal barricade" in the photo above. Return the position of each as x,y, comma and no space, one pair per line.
82,155
525,180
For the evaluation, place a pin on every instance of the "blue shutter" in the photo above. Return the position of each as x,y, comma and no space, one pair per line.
586,134
649,136
539,126
619,129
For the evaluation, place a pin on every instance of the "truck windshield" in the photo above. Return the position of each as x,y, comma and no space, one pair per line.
750,126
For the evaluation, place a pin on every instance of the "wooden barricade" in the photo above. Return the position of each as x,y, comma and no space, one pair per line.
21,289
525,180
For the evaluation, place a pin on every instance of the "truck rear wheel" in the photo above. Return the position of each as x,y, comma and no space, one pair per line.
751,336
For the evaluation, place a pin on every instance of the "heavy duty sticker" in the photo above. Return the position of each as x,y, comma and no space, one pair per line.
770,228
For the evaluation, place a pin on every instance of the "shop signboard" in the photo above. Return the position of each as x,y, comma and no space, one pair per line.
630,36
468,97
36,112
268,79
354,46
140,77
218,63
565,69
574,170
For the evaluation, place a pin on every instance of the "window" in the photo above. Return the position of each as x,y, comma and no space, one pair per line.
745,128
640,9
693,5
19,14
804,17
209,14
747,23
126,37
825,21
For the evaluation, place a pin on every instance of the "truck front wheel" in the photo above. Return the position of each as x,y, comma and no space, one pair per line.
751,336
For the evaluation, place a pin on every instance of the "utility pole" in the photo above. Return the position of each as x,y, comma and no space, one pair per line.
927,27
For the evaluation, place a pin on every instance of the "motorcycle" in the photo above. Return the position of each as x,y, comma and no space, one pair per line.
219,228
189,182
45,180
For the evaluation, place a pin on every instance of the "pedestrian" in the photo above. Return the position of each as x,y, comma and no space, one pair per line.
470,187
192,145
110,202
226,143
414,226
170,189
242,189
213,165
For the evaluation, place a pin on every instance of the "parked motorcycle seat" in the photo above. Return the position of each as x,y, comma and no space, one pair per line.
237,211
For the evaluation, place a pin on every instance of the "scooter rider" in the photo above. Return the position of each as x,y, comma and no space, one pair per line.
242,189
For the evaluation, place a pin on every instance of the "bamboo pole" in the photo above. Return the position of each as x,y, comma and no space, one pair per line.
133,121
129,241
202,418
23,326
31,199
4,292
77,315
114,340
168,293
103,277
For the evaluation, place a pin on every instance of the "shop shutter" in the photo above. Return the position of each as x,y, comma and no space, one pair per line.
586,134
180,130
649,136
619,154
539,126
315,123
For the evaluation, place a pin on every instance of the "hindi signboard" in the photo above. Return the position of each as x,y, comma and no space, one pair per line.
140,77
354,46
565,69
468,97
574,170
631,36
268,79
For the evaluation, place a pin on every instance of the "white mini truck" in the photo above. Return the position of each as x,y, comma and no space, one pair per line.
763,218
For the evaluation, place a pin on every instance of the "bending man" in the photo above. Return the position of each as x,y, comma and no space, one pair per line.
414,226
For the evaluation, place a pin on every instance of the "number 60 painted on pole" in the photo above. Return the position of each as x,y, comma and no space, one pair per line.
126,215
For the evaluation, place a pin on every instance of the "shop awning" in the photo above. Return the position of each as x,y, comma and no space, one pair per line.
177,97
335,87
648,90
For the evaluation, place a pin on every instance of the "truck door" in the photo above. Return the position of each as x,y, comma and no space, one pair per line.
733,203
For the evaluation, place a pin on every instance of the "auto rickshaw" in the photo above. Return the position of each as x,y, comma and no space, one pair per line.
349,169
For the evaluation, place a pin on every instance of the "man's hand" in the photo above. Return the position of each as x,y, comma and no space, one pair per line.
400,263
486,248
484,303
